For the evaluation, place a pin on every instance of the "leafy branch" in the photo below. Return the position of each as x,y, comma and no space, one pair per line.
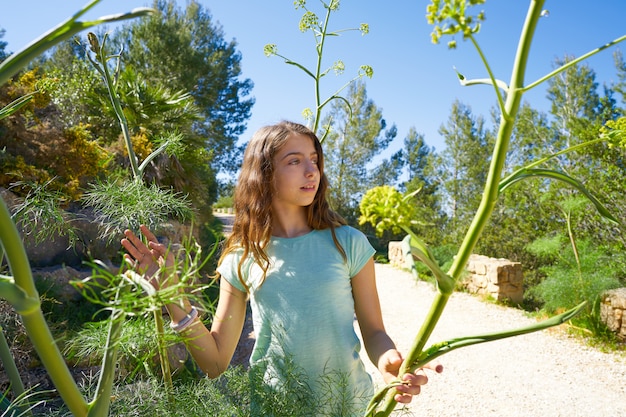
320,29
101,64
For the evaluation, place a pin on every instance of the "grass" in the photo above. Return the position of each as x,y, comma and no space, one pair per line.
225,396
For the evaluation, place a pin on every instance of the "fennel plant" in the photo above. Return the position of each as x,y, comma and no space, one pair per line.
17,286
321,31
451,17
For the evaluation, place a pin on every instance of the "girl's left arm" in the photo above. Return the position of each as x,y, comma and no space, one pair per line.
379,346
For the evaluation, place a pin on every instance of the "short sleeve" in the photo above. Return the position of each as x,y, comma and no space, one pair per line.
357,247
228,270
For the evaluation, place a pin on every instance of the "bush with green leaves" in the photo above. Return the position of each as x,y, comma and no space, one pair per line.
572,277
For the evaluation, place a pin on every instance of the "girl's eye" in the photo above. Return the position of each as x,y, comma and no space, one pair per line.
294,162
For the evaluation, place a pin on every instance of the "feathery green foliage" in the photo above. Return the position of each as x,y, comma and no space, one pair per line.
126,204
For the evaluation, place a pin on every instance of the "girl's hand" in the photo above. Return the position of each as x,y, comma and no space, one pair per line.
147,260
389,365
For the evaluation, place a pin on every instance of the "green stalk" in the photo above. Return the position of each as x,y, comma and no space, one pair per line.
63,31
318,69
162,348
11,369
103,68
99,407
574,62
490,193
538,162
492,79
33,318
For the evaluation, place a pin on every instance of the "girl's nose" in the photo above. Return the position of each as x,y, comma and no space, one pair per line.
311,169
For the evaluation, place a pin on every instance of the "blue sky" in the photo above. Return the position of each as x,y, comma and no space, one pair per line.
414,81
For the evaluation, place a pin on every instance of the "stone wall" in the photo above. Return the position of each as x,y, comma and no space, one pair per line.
613,311
504,280
395,254
499,278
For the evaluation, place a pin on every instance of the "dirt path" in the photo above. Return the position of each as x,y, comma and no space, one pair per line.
544,374
227,221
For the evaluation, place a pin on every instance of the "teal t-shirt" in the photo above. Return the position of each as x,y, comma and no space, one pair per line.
303,318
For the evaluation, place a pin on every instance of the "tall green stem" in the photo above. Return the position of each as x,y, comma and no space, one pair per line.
163,356
33,318
101,403
115,101
511,107
318,70
11,369
490,193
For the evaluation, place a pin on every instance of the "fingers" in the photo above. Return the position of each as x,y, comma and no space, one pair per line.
158,249
412,382
411,385
389,366
148,234
140,256
135,245
132,244
434,366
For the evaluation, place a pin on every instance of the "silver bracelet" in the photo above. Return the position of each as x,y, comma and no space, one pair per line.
186,321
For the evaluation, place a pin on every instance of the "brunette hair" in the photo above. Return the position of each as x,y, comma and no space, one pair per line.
252,229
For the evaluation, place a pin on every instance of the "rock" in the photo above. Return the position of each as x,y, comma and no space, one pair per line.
500,278
613,311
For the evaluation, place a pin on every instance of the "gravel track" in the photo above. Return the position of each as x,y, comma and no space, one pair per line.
542,374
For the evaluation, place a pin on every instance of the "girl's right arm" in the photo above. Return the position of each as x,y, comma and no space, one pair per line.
211,349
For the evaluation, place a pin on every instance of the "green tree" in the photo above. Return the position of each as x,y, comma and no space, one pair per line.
79,91
388,171
575,106
620,86
579,113
422,175
357,135
463,164
190,54
417,155
3,45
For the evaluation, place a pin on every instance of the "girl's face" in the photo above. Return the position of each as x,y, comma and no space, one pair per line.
296,174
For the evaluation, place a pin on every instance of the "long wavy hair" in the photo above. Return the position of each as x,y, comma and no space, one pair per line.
252,229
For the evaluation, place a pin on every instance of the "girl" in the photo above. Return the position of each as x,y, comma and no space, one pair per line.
306,275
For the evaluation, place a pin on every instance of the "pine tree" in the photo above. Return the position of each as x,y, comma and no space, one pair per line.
357,136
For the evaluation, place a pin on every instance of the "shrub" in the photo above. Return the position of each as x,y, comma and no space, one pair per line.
569,281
